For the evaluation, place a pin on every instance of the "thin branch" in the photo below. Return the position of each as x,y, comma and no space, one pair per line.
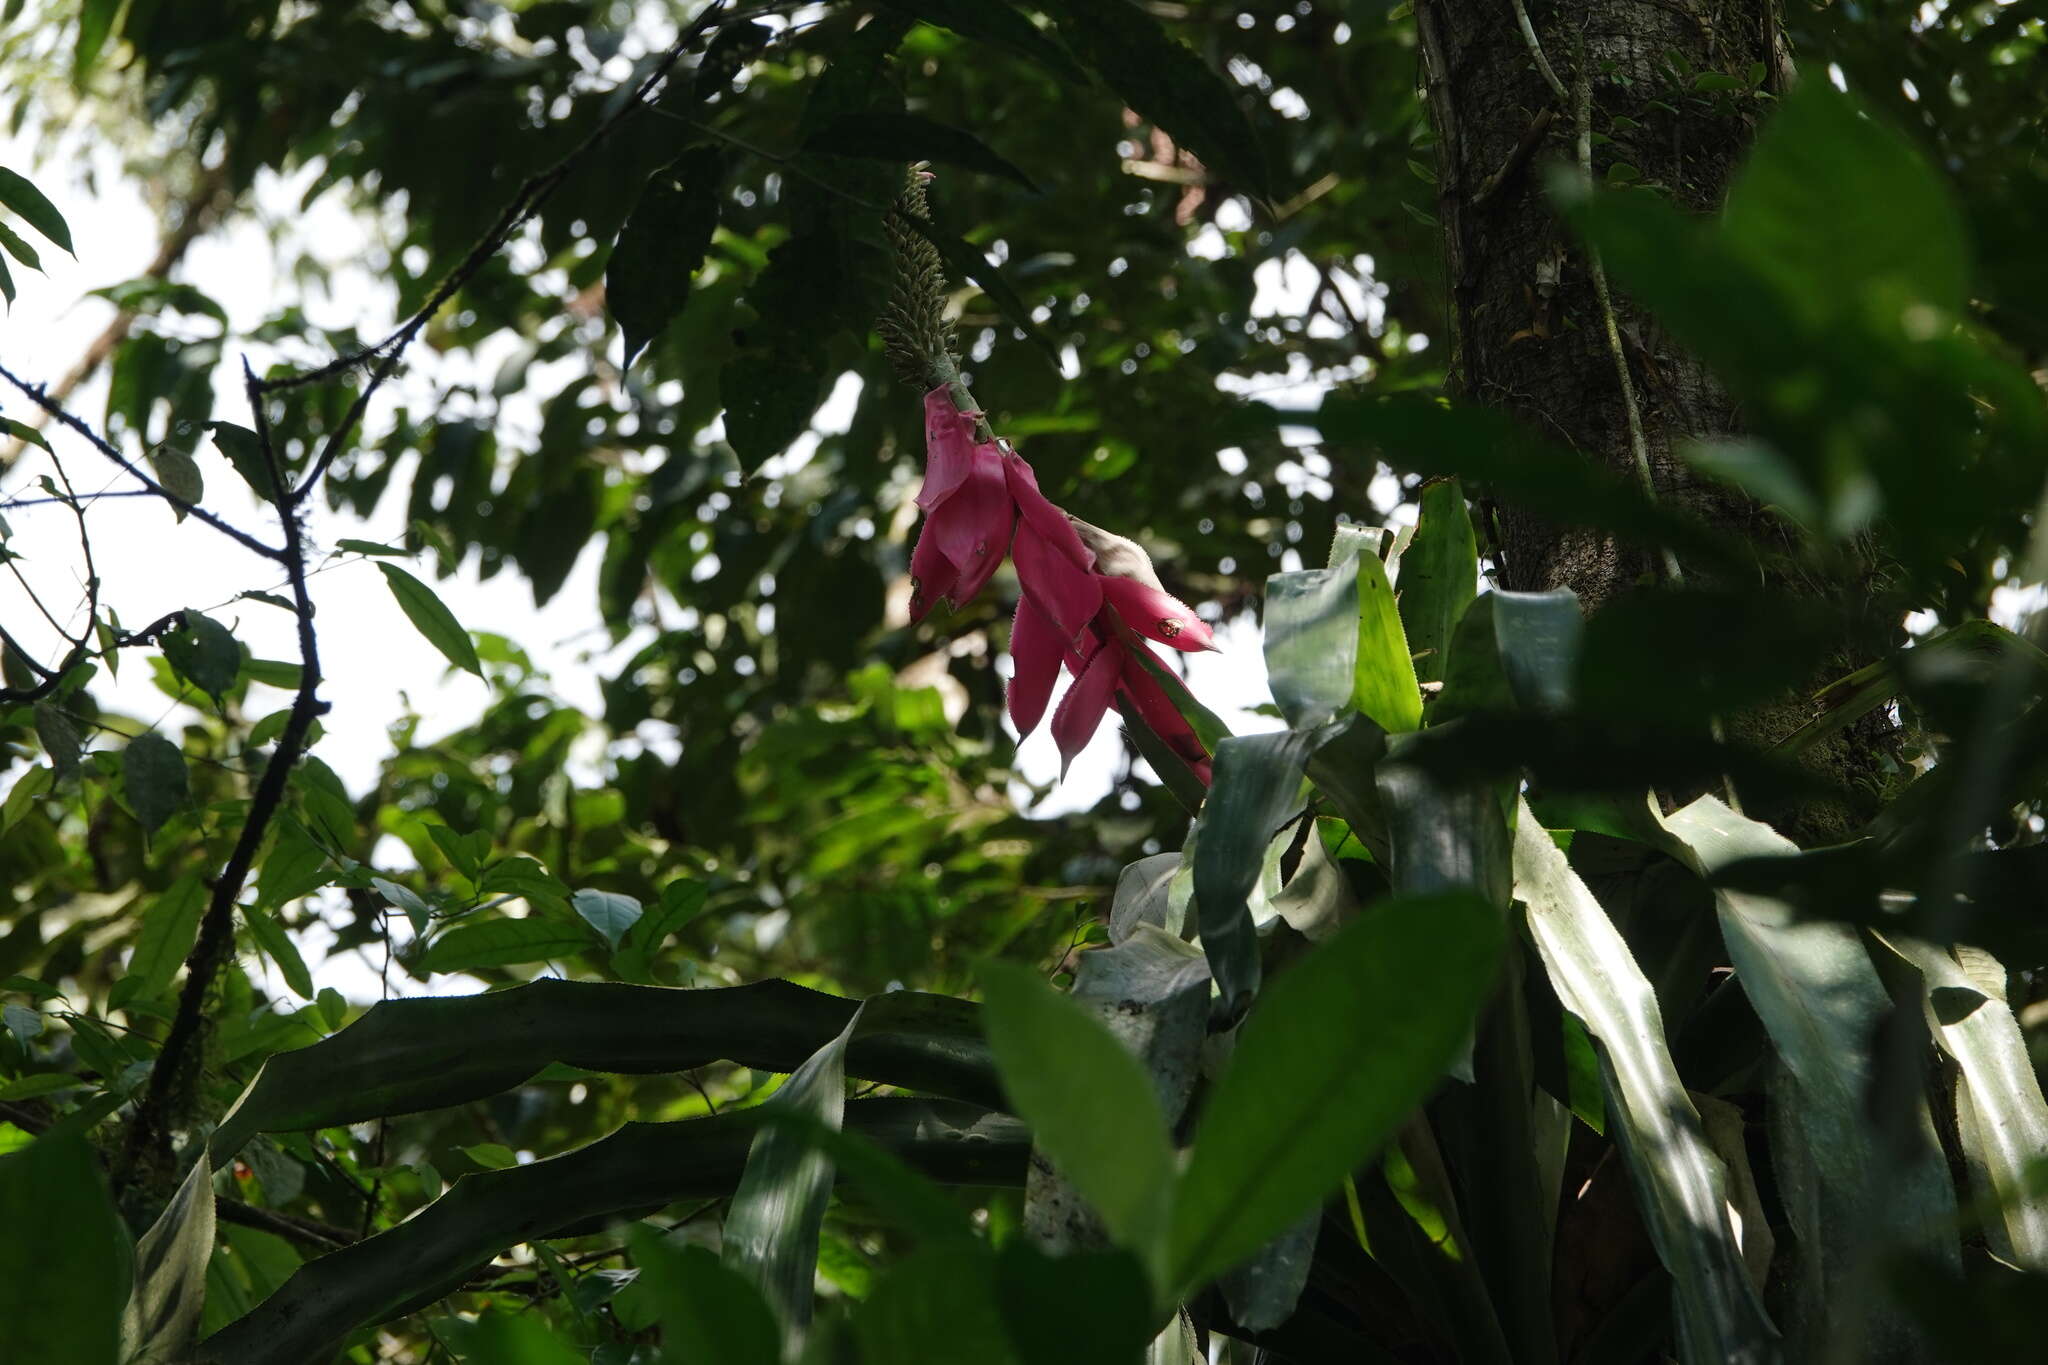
56,409
290,1226
532,193
1524,148
149,1136
1536,51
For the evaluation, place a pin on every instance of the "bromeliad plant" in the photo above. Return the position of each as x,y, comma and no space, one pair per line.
1424,1047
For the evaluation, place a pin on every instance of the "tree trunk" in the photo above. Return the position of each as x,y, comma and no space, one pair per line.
1529,332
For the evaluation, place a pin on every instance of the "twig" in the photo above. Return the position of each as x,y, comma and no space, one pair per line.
149,1137
35,395
1531,139
532,193
1536,51
290,1226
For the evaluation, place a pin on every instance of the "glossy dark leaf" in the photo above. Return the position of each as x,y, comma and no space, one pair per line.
153,777
17,194
647,280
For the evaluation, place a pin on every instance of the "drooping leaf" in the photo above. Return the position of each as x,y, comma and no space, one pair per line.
1680,1184
1091,1106
61,1289
1336,1052
17,194
772,1227
647,280
277,945
245,452
153,777
168,928
162,1312
60,737
899,137
432,619
1815,989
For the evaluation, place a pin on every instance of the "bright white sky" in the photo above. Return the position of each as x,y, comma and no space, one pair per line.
375,664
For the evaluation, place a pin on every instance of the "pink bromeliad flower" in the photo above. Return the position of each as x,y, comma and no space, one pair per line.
1089,597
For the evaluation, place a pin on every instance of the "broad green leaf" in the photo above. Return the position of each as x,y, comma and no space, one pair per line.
1168,85
162,1312
910,1199
277,945
1537,635
39,1085
1384,688
417,911
403,1056
638,1167
1104,1315
2002,1118
96,20
18,194
1256,790
203,653
647,280
64,1263
1090,1103
169,927
501,943
153,777
432,619
499,1337
709,1311
1336,1052
1818,994
294,867
179,474
18,247
23,432
608,912
941,1298
682,900
492,1156
21,797
245,452
521,876
1681,1186
464,852
903,137
1312,639
997,24
772,1226
1822,150
60,737
1439,576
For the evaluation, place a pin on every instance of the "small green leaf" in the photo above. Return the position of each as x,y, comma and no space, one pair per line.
1710,82
492,1156
153,776
501,943
245,453
277,945
28,201
24,1023
21,431
371,547
608,912
521,876
1092,1108
406,899
21,797
60,737
432,619
1312,642
1439,577
169,927
333,1006
18,248
204,653
1384,689
295,866
1338,1050
682,900
647,281
179,474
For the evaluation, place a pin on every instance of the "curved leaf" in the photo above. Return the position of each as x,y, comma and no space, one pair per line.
404,1056
432,619
642,1166
647,280
170,1274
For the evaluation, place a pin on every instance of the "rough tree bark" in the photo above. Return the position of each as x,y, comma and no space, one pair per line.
1528,330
